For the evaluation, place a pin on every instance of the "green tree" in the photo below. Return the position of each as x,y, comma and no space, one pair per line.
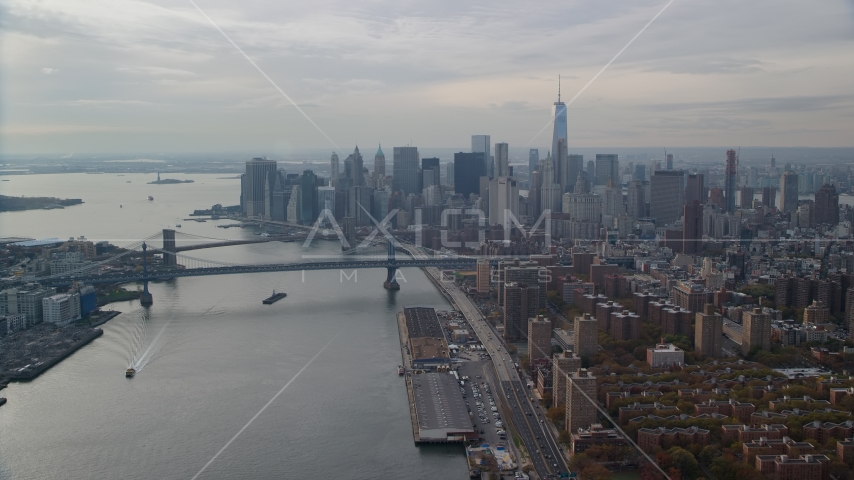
685,462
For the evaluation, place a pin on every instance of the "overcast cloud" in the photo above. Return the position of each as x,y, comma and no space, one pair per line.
137,76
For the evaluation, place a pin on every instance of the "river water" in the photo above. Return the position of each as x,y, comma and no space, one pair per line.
213,356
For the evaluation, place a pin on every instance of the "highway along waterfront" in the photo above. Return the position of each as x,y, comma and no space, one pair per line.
221,357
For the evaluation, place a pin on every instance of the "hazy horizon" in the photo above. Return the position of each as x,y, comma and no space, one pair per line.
133,76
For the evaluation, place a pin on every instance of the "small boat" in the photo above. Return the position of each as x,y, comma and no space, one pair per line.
150,198
178,225
130,372
400,370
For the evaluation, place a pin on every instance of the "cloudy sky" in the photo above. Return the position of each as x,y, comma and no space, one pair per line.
157,76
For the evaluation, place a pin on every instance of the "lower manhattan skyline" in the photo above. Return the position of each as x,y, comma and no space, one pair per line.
158,77
370,240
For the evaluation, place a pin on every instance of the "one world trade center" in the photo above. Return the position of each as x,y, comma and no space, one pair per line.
560,129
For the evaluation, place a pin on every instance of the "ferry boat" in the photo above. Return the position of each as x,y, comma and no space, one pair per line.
130,372
400,370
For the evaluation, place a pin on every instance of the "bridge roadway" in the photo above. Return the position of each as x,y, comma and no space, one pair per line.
124,277
546,454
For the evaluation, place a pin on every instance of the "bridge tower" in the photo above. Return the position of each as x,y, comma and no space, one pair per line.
169,246
145,299
390,281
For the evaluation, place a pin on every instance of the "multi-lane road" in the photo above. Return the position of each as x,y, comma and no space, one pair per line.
546,455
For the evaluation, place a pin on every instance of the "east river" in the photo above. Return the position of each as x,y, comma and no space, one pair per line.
214,356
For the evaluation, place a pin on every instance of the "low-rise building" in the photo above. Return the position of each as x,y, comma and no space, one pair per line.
651,438
664,355
782,446
823,432
783,467
596,434
845,451
744,433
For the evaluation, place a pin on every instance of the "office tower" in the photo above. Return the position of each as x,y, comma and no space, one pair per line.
503,199
562,167
355,172
665,204
708,330
279,198
26,301
449,173
695,188
562,365
308,191
483,274
326,199
406,170
580,395
756,330
640,173
539,338
379,164
635,200
591,172
379,204
334,170
534,195
849,312
668,161
746,200
502,160
468,168
430,172
480,143
692,229
575,168
753,177
773,161
521,302
533,160
789,192
559,132
607,168
730,180
586,335
550,191
254,185
295,205
612,204
769,197
827,205
358,205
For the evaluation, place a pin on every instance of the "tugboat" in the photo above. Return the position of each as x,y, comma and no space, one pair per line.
130,372
400,370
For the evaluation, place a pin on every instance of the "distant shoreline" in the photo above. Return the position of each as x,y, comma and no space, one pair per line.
18,204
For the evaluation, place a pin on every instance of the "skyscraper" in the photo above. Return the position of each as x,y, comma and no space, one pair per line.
406,170
520,304
379,164
357,167
550,191
559,132
769,197
430,172
308,202
254,185
480,143
502,160
827,205
586,335
580,395
695,189
708,330
533,160
730,180
503,197
607,168
334,170
468,168
576,167
591,171
636,200
756,330
746,200
539,338
692,228
666,192
640,173
668,161
789,191
449,173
